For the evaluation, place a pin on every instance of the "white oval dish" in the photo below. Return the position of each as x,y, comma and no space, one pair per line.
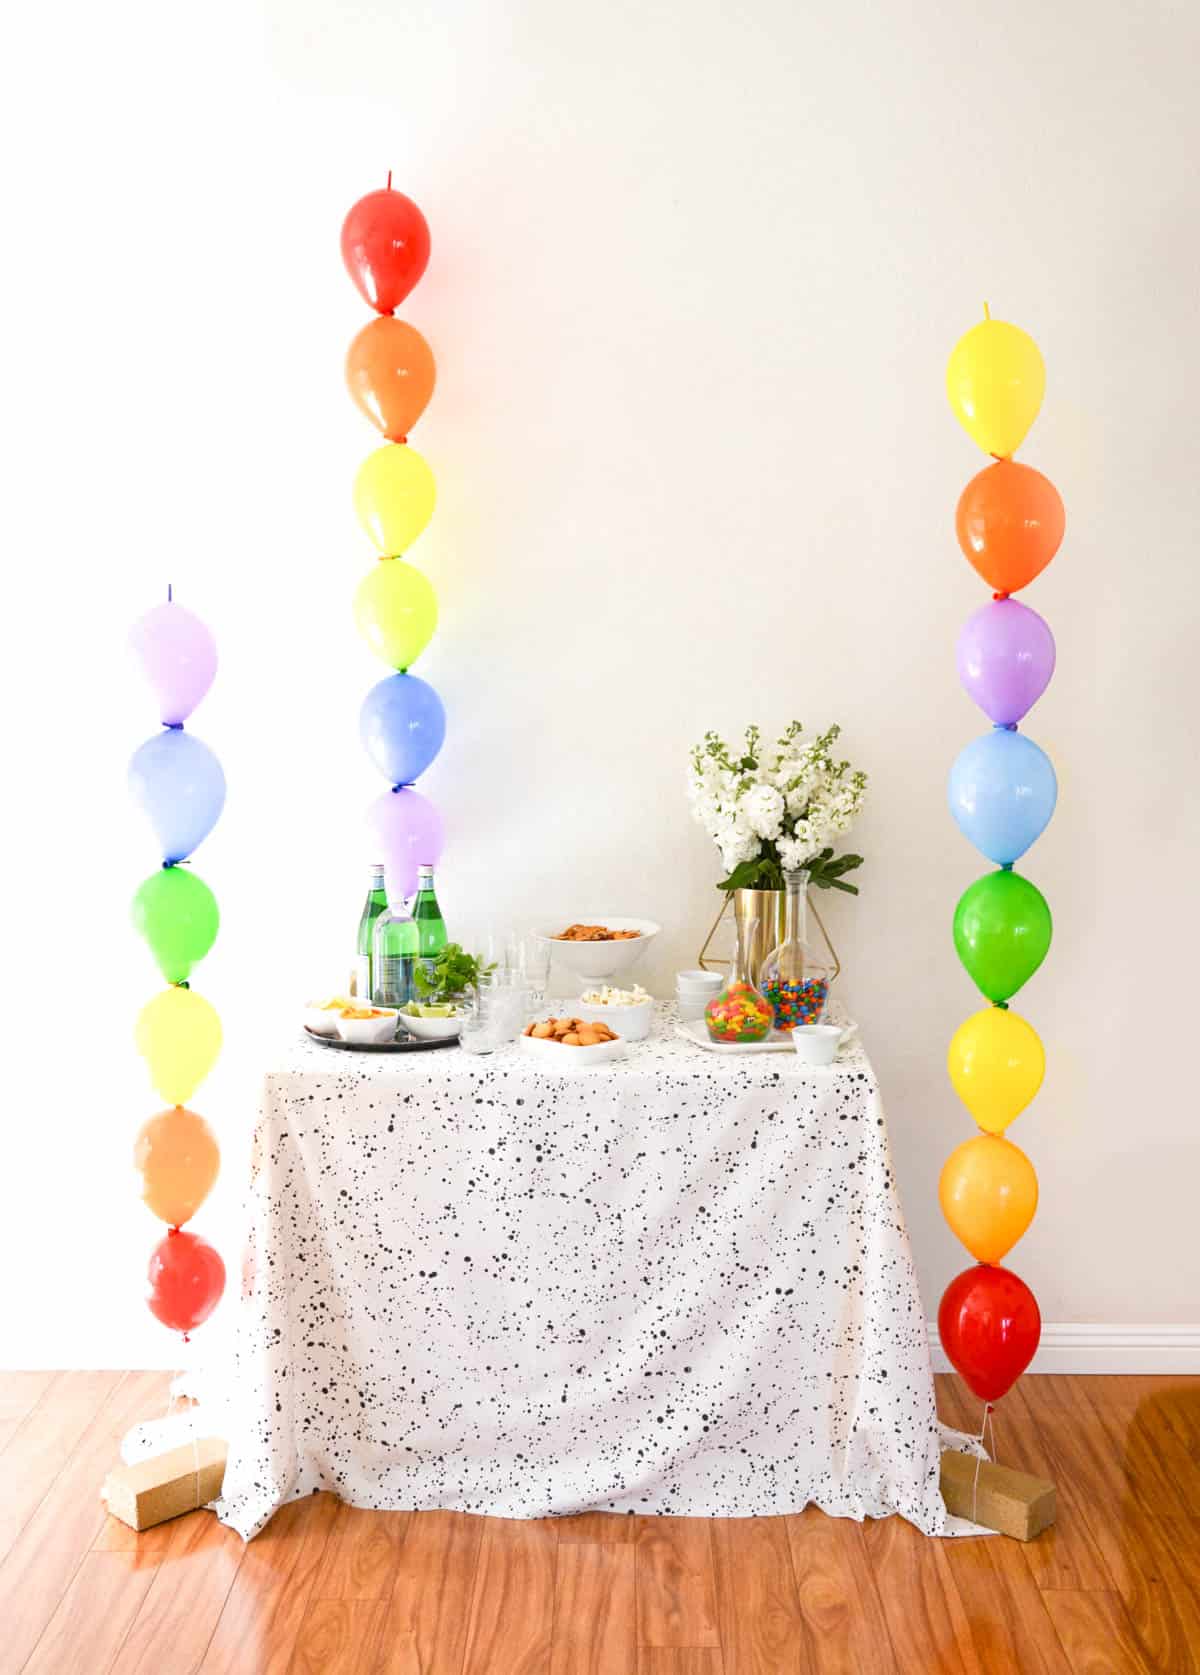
597,960
568,1059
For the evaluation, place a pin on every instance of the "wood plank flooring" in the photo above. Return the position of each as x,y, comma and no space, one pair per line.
329,1589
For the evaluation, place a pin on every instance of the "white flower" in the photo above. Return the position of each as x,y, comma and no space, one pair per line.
764,809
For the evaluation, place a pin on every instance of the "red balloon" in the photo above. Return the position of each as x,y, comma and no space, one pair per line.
187,1278
385,246
989,1325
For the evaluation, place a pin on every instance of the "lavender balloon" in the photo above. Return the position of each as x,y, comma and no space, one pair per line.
409,833
1005,659
178,656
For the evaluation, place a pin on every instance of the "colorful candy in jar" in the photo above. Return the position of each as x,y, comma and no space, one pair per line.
738,1013
797,1003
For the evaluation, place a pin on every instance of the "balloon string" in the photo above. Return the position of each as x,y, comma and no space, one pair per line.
987,1420
389,184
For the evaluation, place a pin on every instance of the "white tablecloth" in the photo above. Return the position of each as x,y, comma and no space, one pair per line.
678,1284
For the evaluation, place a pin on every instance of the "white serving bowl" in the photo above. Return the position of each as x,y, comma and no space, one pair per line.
431,1029
600,960
370,1032
632,1023
553,1055
322,1020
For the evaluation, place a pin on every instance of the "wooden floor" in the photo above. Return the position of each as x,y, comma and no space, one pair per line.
1114,1586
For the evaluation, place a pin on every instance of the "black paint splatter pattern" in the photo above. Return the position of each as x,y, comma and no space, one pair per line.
679,1284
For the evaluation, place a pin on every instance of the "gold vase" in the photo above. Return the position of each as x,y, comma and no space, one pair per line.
769,907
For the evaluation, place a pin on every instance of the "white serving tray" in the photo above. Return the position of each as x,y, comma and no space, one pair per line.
697,1033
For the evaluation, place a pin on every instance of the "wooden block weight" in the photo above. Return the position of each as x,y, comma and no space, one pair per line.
166,1485
1012,1502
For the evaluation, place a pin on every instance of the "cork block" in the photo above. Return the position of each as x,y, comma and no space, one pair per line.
1012,1502
166,1485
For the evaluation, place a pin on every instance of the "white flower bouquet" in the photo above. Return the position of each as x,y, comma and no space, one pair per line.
774,808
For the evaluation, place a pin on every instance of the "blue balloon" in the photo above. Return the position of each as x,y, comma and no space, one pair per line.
177,781
1002,793
402,723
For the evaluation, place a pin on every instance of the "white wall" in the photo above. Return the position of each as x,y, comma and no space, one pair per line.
697,269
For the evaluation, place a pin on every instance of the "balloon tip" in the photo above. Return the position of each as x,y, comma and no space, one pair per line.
987,313
169,593
389,184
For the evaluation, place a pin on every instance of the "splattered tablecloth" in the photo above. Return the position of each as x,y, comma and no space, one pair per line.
678,1284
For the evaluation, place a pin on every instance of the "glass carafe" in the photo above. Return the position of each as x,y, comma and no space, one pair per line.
739,1012
794,978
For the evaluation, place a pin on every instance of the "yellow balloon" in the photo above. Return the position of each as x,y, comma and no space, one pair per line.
996,380
996,1063
394,494
396,612
988,1193
179,1036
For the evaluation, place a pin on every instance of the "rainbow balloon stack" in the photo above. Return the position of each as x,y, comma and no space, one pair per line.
1003,789
390,373
179,785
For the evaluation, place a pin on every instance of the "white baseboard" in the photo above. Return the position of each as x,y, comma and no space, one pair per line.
1069,1346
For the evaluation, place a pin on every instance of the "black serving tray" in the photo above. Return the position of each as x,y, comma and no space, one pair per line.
402,1044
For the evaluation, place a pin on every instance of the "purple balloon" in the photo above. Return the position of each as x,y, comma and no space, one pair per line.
409,833
1005,659
178,656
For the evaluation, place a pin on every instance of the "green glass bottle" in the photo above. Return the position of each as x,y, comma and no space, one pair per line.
431,927
393,955
375,904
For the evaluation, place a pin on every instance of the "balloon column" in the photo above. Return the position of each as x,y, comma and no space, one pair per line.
178,783
390,373
1002,793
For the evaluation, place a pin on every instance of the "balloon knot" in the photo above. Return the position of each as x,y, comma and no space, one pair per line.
171,1232
1001,596
1006,866
173,726
187,1337
1000,1005
182,984
405,786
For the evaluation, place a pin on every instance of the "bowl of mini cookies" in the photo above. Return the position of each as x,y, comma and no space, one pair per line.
600,946
571,1043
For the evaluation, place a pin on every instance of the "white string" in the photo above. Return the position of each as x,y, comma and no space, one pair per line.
172,1398
979,1458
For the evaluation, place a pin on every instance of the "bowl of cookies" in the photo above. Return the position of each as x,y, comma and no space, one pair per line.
571,1043
600,946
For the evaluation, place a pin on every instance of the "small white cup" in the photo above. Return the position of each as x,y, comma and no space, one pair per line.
817,1043
697,983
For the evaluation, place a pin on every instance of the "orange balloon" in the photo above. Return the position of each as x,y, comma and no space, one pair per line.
1010,523
178,1157
390,373
988,1193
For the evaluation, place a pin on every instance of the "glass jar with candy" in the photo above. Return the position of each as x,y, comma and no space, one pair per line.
739,1012
794,978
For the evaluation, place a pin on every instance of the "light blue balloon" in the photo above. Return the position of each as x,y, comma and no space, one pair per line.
1002,793
178,783
403,724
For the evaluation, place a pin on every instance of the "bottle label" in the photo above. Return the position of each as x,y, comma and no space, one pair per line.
393,979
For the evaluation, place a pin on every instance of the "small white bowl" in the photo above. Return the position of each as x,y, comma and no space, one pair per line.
431,1029
597,960
630,1022
690,1011
553,1054
370,1032
322,1020
817,1043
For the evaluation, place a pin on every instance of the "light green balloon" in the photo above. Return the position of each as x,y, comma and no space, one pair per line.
1002,931
177,914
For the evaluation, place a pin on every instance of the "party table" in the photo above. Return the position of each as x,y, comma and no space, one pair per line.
676,1284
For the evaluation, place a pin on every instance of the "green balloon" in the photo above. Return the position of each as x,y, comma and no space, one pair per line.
177,914
1002,930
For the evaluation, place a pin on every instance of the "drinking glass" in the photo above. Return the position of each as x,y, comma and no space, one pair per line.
530,956
478,1033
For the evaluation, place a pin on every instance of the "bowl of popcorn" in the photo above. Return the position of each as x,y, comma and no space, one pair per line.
601,946
629,1011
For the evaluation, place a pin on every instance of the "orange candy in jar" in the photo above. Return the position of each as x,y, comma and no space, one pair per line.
739,1012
